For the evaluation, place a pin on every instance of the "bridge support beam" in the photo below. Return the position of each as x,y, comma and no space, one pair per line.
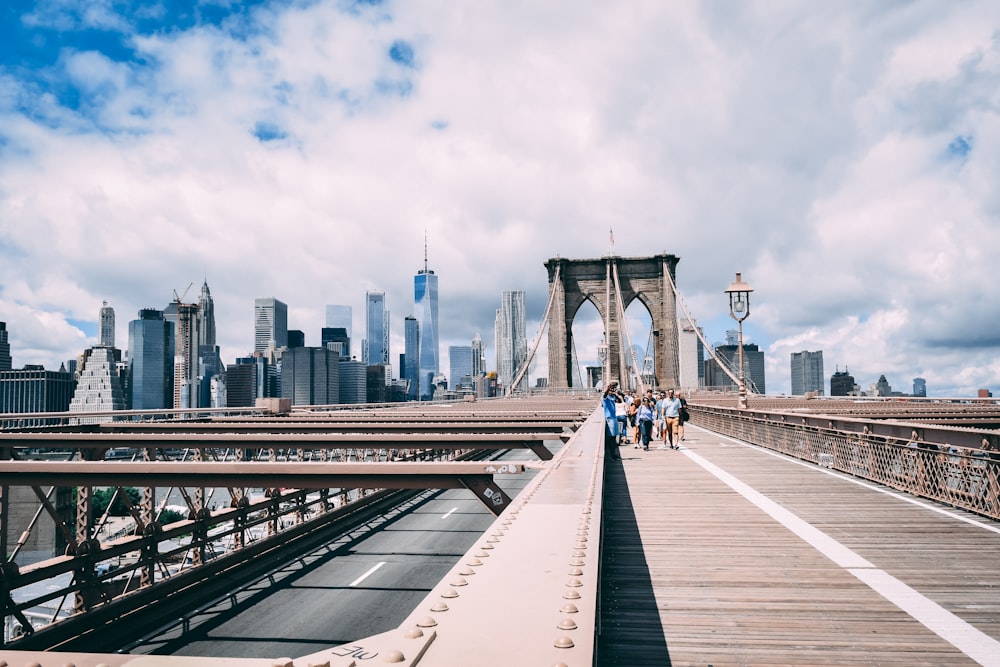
644,278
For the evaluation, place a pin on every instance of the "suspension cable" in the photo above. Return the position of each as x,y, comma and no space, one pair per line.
621,309
721,362
538,337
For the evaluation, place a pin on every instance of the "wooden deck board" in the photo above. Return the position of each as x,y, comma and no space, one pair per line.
695,574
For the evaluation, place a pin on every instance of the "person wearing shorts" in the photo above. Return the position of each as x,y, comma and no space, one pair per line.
672,419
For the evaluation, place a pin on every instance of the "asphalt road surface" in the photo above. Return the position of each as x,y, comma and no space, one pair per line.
363,584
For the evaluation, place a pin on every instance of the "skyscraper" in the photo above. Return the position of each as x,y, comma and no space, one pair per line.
206,313
460,362
807,373
34,389
99,388
340,317
511,344
411,368
690,356
150,361
6,363
375,350
919,387
310,376
187,388
753,362
270,324
106,334
842,383
425,309
478,356
336,339
211,370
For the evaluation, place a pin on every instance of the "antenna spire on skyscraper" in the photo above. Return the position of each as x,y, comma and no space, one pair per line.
425,251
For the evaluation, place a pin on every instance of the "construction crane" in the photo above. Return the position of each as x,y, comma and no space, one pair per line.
179,299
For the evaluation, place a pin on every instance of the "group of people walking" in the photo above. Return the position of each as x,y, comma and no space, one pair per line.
644,417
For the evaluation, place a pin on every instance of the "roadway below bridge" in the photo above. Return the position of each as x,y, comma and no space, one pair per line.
364,583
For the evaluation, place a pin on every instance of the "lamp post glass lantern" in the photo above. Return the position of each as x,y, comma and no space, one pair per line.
602,355
739,310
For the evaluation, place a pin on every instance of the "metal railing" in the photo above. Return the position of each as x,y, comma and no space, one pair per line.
543,550
952,465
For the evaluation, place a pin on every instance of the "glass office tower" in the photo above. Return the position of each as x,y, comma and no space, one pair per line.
6,362
150,361
376,346
411,357
425,306
511,343
270,324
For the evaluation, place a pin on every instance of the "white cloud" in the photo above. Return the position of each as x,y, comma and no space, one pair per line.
811,148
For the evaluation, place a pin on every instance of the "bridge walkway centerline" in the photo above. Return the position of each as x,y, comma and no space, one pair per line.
698,572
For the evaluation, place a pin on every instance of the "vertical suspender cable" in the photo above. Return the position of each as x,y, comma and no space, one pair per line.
722,364
538,337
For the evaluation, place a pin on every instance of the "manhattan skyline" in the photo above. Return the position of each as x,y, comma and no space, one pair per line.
840,157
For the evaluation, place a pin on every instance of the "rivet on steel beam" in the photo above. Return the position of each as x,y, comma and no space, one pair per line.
575,572
567,624
461,581
427,623
487,546
394,656
581,538
574,583
579,554
283,662
325,663
439,606
578,562
571,595
569,608
581,545
559,664
450,593
474,562
482,554
564,642
467,572
413,633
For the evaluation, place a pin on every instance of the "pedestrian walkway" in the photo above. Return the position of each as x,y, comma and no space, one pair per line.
721,553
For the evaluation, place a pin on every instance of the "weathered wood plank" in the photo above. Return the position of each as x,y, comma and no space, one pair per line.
694,574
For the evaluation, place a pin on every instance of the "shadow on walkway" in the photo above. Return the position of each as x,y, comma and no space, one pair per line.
629,628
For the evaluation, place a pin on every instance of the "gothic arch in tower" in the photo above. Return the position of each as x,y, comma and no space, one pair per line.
647,279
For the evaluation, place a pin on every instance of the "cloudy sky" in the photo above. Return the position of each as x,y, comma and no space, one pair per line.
843,156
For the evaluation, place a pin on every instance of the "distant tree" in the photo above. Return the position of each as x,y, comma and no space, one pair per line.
102,497
170,516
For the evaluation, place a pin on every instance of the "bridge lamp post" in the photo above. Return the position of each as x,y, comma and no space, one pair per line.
739,310
602,355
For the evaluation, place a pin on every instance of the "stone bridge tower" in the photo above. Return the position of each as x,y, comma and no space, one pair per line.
643,278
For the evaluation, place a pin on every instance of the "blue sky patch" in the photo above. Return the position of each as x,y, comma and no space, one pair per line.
439,125
960,147
89,329
401,53
265,131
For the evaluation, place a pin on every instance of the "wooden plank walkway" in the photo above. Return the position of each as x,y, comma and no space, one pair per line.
695,573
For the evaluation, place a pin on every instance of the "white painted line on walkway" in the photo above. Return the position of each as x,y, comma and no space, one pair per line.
974,643
366,574
450,512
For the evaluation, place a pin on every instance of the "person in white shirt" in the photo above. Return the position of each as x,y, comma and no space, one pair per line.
672,418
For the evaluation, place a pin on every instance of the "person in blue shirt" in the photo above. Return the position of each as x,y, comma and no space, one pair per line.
610,398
